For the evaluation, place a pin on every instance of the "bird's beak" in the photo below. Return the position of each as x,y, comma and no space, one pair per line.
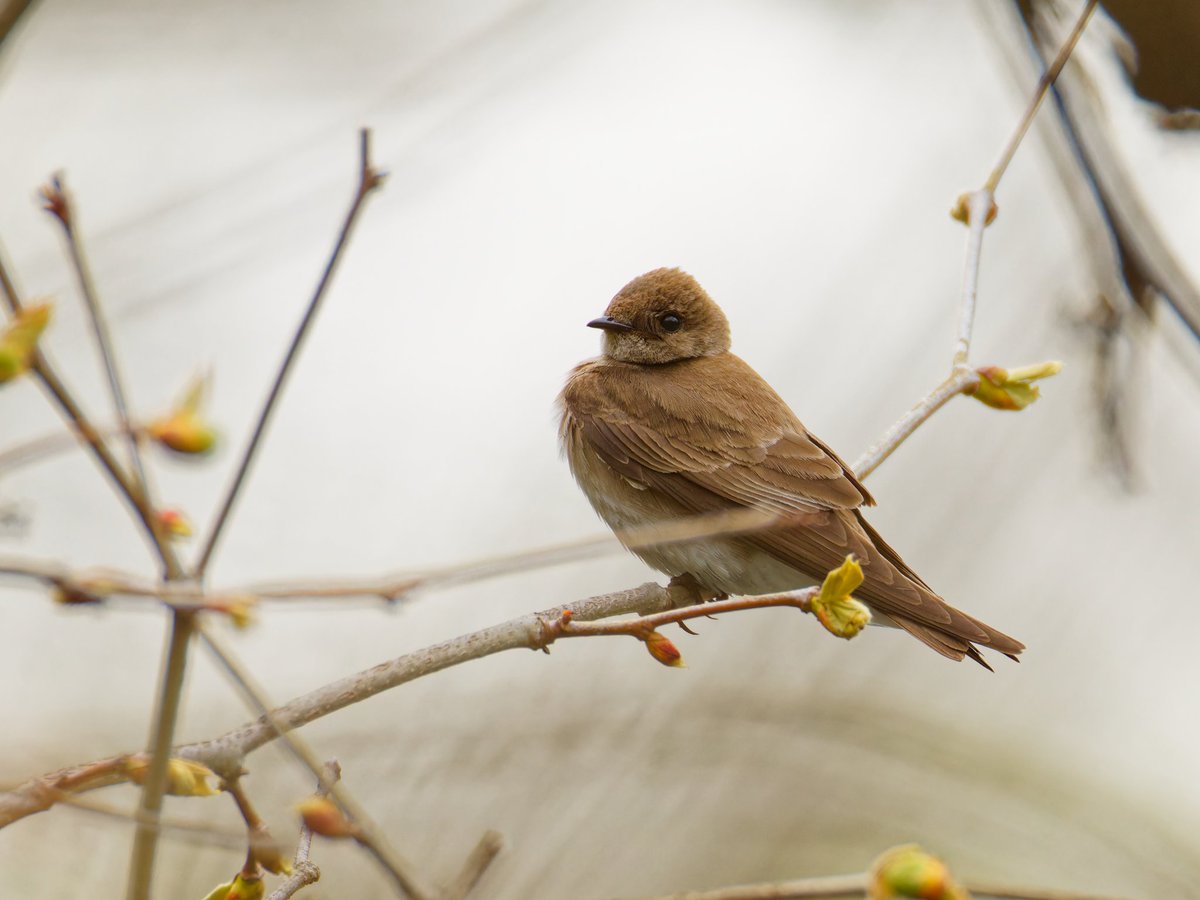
608,323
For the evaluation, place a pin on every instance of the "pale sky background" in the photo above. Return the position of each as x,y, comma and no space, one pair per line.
798,158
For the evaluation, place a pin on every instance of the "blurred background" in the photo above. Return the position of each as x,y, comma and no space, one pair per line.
799,159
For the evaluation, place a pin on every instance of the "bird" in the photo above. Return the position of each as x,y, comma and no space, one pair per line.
667,423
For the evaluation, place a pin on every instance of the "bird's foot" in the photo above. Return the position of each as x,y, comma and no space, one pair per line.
691,591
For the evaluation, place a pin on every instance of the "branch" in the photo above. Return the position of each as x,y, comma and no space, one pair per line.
82,426
854,886
58,204
1039,94
162,733
962,381
305,872
477,863
368,180
225,753
372,838
977,209
10,15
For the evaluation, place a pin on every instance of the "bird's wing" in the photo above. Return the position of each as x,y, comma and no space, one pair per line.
714,456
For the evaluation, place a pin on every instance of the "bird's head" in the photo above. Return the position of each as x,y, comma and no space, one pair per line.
662,317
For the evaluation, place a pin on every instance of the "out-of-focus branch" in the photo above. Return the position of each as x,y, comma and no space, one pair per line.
59,204
372,837
477,863
225,753
304,871
369,180
827,888
10,15
1039,94
81,425
145,840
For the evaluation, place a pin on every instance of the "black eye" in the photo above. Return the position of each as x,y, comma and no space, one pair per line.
670,321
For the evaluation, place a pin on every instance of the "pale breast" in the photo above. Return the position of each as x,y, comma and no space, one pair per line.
727,565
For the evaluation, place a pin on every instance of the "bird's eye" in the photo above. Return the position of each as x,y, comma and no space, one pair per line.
670,322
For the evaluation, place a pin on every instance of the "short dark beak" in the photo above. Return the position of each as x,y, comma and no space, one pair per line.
608,323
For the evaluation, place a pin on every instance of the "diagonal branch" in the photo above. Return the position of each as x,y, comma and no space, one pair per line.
58,203
78,421
369,179
396,866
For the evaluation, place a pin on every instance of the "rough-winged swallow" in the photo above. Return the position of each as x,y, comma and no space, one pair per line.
667,424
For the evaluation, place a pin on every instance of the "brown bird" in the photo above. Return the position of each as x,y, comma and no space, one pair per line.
667,423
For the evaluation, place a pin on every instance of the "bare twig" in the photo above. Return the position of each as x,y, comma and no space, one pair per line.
81,425
167,708
369,179
59,204
976,209
371,836
477,863
193,832
303,874
979,209
830,887
833,886
1039,94
962,380
48,445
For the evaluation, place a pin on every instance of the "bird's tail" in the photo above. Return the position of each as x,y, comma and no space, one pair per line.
950,632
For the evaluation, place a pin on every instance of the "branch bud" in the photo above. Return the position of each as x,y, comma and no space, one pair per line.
185,777
1011,389
908,871
239,608
183,429
961,210
662,649
18,340
173,523
840,613
243,887
322,816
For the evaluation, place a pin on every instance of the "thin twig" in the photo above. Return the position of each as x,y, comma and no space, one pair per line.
477,863
372,837
1039,94
369,180
303,874
957,383
565,626
81,425
304,871
979,209
192,832
49,445
60,205
830,887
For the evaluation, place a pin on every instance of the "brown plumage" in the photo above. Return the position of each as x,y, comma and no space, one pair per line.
668,423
